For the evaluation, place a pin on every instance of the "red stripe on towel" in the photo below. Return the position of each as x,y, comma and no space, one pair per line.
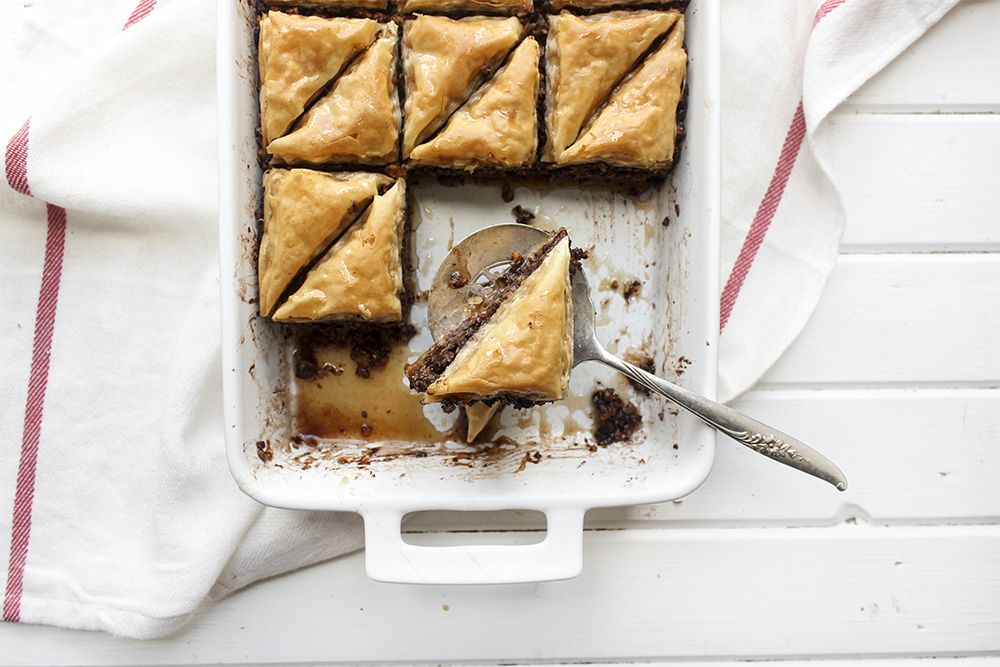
141,11
826,8
775,191
16,160
45,318
765,214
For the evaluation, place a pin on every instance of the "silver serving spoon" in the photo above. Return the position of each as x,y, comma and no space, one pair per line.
472,266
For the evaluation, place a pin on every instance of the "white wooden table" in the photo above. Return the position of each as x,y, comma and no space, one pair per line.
896,377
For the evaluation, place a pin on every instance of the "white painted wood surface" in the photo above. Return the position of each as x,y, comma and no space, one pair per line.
891,170
896,377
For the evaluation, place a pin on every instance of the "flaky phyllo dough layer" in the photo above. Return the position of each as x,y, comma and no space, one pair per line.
305,211
343,108
497,125
613,85
526,349
444,62
360,277
299,56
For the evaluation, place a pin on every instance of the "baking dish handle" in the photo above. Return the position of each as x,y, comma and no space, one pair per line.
389,558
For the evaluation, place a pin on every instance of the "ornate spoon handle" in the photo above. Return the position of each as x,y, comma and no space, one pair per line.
757,436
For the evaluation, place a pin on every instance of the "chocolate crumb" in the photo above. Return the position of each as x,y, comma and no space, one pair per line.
305,364
533,456
522,215
370,346
310,440
366,430
264,452
616,419
631,290
456,280
370,353
507,193
682,364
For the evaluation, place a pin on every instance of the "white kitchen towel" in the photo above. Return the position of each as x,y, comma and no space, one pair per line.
117,510
786,64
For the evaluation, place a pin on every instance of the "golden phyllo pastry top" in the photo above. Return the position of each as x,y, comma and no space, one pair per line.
305,211
361,276
498,125
526,348
331,4
444,61
487,6
586,58
638,126
298,57
358,120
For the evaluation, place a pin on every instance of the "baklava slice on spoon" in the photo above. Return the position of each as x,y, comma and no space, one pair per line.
516,346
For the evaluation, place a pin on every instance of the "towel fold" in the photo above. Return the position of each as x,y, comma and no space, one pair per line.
785,66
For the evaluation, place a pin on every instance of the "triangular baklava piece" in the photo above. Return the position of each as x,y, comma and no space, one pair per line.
519,349
358,120
498,126
638,127
361,276
298,56
444,61
305,211
586,57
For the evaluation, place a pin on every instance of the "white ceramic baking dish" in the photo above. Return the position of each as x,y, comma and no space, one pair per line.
667,240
